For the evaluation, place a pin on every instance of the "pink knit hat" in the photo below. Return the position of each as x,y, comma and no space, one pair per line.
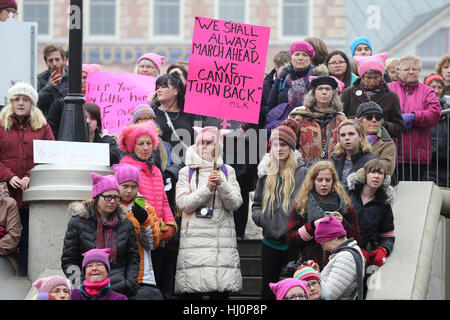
132,132
127,172
153,57
302,46
101,184
375,62
328,229
209,133
46,285
282,287
96,255
89,68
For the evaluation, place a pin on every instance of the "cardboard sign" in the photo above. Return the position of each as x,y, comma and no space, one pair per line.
117,94
49,151
226,69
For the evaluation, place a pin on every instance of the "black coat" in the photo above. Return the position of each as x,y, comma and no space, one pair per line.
358,160
375,218
81,236
48,94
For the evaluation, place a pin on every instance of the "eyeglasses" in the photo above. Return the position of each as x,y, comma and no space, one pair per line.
335,63
96,265
296,297
109,197
410,70
369,117
312,283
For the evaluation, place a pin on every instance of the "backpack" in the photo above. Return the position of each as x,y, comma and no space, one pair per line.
359,267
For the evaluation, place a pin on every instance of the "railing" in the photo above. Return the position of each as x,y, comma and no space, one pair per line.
434,165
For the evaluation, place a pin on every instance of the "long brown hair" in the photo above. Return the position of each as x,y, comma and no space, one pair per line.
308,185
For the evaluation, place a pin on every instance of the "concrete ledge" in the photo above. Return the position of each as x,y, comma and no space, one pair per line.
407,271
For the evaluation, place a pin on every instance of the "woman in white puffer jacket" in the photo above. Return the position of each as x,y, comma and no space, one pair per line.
208,260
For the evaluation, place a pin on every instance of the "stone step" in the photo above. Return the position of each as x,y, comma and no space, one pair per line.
251,266
249,248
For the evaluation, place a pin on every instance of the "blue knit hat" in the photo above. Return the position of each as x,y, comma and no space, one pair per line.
358,41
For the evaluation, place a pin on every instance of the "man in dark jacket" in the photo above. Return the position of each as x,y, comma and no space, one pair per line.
52,83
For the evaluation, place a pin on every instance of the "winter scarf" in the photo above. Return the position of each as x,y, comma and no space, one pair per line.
372,138
298,86
368,92
315,208
105,234
149,162
94,288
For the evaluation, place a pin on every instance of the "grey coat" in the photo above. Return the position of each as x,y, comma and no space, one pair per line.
275,225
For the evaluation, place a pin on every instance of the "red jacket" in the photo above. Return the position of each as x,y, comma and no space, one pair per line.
415,145
16,152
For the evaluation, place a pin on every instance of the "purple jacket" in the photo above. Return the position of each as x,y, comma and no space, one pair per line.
105,294
415,145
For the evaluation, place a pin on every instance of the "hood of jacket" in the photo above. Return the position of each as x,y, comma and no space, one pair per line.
84,209
194,160
263,165
355,181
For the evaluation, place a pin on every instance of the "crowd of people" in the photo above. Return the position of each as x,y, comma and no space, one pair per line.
341,132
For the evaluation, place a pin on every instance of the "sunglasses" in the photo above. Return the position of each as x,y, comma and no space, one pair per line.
369,117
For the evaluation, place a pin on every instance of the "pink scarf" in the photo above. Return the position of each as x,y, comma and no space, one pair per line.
93,288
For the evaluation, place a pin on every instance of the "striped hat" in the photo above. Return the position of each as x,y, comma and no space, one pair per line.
143,110
306,273
285,134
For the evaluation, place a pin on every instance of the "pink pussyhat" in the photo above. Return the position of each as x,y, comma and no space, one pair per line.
153,57
375,62
89,68
328,229
209,133
46,285
127,172
282,287
101,184
96,255
132,132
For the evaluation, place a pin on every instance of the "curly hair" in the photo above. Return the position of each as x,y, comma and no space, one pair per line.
440,64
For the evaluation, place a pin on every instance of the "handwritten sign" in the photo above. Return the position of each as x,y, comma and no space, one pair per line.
226,69
49,151
117,94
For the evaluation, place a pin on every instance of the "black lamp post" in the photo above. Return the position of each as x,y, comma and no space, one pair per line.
73,120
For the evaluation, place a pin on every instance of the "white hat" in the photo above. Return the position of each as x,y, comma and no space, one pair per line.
24,89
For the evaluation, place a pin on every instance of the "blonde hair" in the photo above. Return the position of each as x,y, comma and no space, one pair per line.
273,189
308,185
364,145
37,118
415,60
391,63
440,64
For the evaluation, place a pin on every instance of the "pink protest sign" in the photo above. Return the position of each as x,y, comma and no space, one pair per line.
226,69
117,94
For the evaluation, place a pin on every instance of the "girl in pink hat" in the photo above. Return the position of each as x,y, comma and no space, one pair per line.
57,286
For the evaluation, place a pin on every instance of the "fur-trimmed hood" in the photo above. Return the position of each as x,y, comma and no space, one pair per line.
356,180
194,160
84,209
262,166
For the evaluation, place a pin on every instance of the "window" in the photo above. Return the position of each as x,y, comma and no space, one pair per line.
295,18
102,18
436,45
38,11
166,18
233,10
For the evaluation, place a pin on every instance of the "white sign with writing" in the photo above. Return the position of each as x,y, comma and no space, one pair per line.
49,151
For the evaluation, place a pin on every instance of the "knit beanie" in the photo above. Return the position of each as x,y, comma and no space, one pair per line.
132,132
5,4
153,57
23,89
285,134
358,41
89,68
101,184
434,77
282,287
209,133
328,229
375,62
366,108
46,285
302,46
96,255
127,172
143,110
306,273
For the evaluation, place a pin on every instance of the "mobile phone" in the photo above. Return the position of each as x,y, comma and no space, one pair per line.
57,72
328,213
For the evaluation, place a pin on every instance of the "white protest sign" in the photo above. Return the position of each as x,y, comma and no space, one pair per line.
49,151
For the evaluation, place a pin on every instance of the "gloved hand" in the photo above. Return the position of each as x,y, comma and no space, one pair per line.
366,256
408,119
379,256
139,213
167,232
